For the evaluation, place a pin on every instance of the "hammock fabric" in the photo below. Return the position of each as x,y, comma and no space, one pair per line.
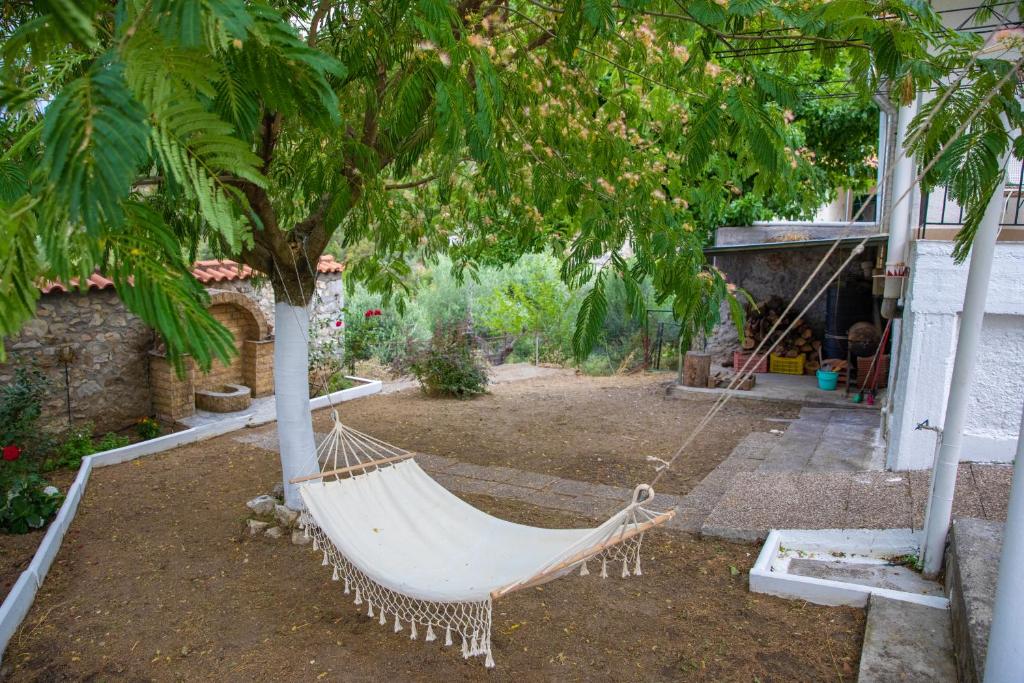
422,558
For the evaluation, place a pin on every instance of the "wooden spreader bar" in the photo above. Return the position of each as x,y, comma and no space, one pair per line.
550,572
351,468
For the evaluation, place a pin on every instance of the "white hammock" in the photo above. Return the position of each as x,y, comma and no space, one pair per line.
419,556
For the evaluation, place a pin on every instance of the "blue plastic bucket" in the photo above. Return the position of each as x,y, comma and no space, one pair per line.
827,380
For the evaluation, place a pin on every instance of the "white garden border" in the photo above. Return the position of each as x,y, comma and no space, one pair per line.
19,600
769,574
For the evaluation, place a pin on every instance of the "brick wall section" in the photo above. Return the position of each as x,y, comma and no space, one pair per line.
108,374
239,322
258,367
174,396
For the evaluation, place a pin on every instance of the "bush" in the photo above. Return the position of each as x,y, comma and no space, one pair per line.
78,442
21,403
110,441
449,367
147,428
27,501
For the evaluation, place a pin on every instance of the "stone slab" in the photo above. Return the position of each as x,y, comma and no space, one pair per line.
906,642
893,577
972,570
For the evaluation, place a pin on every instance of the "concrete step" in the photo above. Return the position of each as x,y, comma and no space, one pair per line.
972,571
906,642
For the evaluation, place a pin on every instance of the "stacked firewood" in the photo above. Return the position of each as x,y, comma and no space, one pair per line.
799,340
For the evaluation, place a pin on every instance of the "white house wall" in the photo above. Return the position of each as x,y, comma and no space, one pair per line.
931,313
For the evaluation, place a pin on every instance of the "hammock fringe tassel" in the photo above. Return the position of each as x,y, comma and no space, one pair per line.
470,620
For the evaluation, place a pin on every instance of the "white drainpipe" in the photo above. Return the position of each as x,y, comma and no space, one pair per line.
940,500
899,215
1005,659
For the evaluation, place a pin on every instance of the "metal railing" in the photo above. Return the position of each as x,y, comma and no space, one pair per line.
937,208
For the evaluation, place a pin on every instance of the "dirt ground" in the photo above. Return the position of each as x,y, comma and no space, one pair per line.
595,429
157,579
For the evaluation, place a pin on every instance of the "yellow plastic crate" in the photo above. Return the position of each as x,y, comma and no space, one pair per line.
786,366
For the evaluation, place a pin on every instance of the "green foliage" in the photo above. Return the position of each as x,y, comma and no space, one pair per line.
971,167
21,403
449,367
78,442
147,428
359,340
110,441
27,501
428,128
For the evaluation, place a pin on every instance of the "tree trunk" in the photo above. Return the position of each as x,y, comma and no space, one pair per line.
291,394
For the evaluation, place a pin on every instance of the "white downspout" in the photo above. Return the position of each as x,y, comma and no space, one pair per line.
1005,659
291,396
899,215
940,499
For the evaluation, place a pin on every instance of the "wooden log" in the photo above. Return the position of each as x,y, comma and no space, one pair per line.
696,369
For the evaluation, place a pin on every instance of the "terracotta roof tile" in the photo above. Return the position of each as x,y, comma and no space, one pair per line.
207,272
94,281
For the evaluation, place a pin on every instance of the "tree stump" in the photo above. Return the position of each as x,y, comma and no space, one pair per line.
696,369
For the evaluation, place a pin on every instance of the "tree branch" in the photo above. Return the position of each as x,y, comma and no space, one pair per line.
314,24
271,131
411,183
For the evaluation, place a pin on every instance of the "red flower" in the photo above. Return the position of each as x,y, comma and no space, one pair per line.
338,323
11,453
369,312
376,311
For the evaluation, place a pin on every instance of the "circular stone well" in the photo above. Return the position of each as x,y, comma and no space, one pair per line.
230,398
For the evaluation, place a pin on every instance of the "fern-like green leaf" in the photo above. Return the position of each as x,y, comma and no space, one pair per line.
95,141
590,319
19,266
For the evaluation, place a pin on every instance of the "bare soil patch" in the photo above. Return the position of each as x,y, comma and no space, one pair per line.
158,580
595,429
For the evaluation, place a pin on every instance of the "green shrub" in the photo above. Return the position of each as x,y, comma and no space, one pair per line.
21,403
338,381
75,444
110,441
78,442
450,367
27,501
147,428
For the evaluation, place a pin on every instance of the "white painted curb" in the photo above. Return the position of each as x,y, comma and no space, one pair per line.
23,592
879,542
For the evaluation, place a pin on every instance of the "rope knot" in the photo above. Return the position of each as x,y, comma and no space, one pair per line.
643,493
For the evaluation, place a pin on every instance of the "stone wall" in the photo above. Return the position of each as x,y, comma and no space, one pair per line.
111,365
109,370
326,305
780,272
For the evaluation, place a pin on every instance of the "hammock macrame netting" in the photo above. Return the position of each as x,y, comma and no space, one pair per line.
424,561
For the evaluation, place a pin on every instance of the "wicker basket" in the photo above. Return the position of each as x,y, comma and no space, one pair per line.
787,366
739,361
